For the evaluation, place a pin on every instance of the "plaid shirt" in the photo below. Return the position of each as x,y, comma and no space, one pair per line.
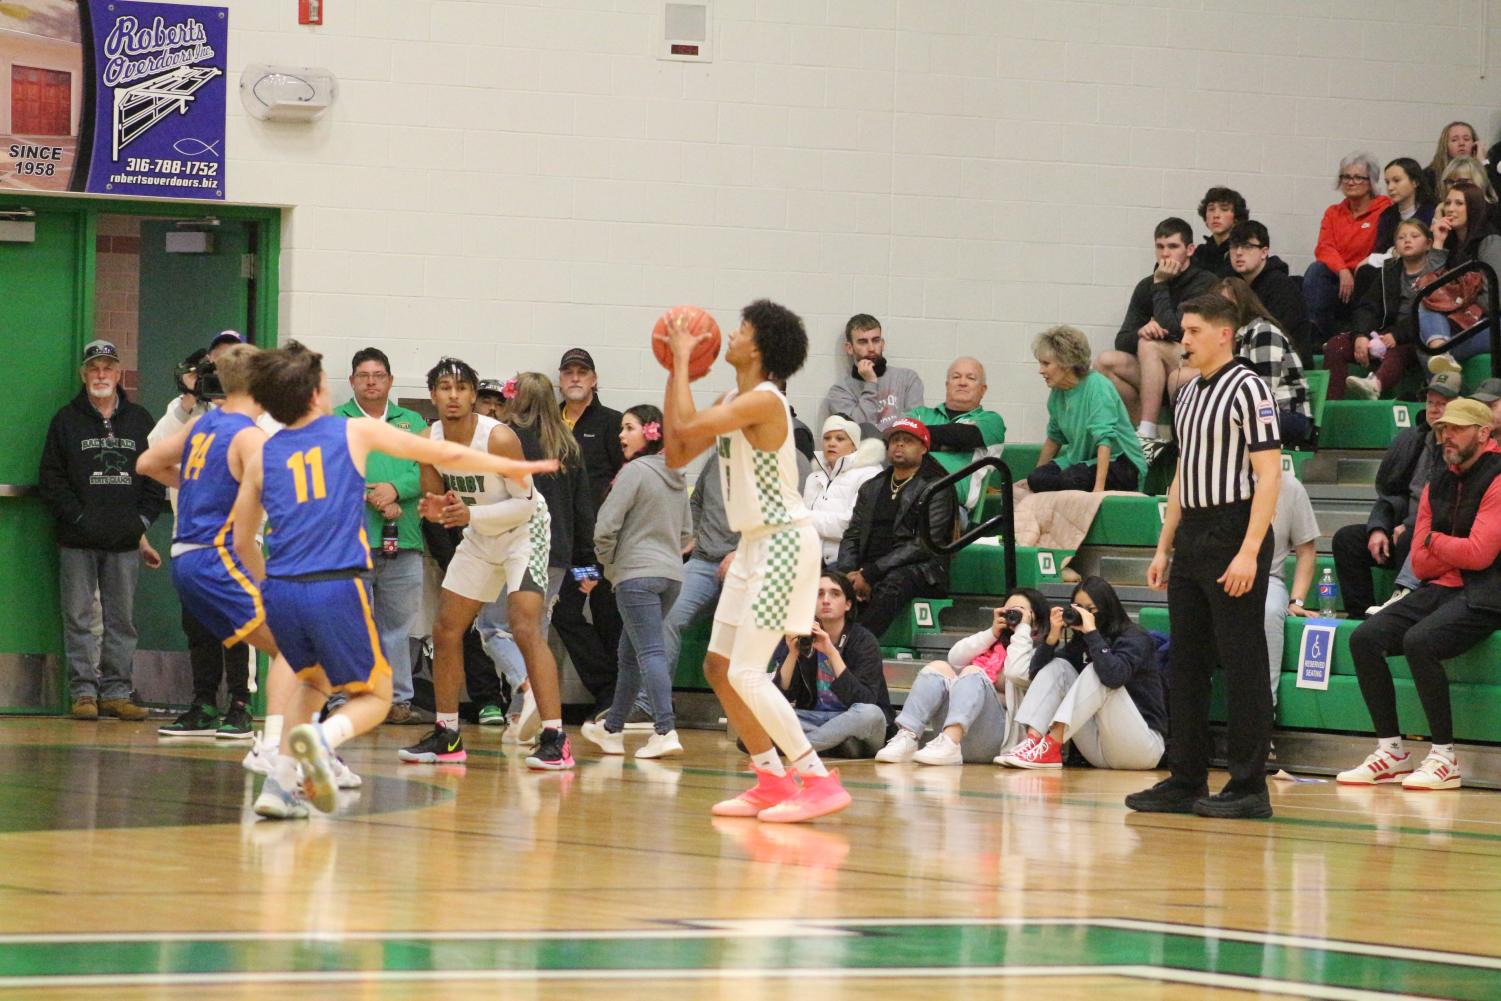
1272,357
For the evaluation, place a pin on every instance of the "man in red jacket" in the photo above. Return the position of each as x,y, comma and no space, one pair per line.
1455,546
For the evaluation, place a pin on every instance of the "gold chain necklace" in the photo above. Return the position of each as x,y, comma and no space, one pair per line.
896,487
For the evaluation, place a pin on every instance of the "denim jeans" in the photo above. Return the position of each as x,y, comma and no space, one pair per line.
1321,296
644,603
1436,327
1103,723
495,630
396,599
695,604
98,589
970,701
1273,619
828,728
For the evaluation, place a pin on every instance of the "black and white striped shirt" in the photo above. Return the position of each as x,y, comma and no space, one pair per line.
1219,422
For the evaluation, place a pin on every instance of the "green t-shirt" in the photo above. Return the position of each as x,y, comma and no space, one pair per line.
400,473
992,433
1087,416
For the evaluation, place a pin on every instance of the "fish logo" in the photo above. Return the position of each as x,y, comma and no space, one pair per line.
188,146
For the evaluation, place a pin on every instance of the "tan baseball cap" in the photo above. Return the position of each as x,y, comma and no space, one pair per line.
1463,412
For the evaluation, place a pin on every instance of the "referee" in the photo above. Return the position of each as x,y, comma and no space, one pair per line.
1219,511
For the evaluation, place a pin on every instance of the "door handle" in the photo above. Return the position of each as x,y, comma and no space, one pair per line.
17,489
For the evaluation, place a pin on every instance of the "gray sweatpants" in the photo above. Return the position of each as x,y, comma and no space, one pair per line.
1103,723
98,589
969,701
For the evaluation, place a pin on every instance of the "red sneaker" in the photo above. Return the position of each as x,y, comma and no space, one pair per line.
1044,753
768,791
820,796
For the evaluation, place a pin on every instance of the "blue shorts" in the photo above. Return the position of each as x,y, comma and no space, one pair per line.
215,589
326,631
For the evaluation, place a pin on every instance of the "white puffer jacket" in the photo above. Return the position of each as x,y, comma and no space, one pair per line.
830,493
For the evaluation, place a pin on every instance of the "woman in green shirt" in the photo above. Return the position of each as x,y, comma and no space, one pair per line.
1091,444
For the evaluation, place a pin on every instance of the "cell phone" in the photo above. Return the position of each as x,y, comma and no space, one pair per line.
582,574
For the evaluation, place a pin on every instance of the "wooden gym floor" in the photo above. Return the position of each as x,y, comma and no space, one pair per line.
132,868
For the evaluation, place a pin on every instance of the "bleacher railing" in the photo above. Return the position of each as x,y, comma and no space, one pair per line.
1488,325
1002,524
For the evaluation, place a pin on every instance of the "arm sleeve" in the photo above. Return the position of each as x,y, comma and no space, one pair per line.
171,422
1258,415
1425,563
1165,310
1480,548
1019,656
53,484
151,499
1043,654
957,437
861,409
493,519
583,517
849,546
612,515
407,481
1325,251
1118,662
1138,312
862,675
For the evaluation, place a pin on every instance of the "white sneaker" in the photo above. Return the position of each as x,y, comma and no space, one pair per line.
1377,769
610,743
899,748
1397,595
661,745
1005,758
1436,772
260,758
276,803
941,750
1362,387
344,776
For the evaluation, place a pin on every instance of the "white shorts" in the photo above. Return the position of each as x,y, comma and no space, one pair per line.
771,586
470,576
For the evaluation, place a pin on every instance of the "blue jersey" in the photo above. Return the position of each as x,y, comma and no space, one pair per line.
315,501
207,492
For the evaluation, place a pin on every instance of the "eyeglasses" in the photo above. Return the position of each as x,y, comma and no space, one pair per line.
370,377
1247,246
1354,179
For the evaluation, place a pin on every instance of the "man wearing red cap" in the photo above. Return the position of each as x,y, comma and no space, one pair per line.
881,552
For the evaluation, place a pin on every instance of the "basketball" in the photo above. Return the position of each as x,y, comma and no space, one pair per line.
699,322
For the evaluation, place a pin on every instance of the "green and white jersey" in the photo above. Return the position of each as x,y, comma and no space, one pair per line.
760,488
488,488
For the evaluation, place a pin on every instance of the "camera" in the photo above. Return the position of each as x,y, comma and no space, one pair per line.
1071,616
209,387
1013,617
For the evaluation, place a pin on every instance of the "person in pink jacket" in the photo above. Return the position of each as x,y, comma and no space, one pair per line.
1346,237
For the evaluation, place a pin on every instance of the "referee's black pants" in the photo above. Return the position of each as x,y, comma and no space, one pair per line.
1209,627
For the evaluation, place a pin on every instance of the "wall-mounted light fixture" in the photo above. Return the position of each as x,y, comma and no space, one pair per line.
287,93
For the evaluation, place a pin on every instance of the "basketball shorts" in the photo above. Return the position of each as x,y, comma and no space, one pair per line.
771,586
216,590
472,576
326,631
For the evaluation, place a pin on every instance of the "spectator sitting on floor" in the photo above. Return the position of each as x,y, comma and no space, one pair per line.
959,695
1251,259
1096,682
962,430
1346,236
1458,139
1222,209
872,394
1461,233
835,678
1413,197
1295,529
881,552
1381,335
1385,537
848,459
1456,542
1090,444
1148,344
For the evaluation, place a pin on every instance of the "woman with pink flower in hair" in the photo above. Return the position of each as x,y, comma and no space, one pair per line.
640,535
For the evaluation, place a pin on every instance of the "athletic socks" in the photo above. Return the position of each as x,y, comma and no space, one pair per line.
769,762
810,764
337,729
1444,750
552,724
1391,745
449,721
271,735
1147,429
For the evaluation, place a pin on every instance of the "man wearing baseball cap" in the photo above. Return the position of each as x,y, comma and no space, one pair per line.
1489,393
1455,546
88,478
881,552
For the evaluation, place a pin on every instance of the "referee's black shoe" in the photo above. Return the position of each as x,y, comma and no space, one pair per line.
1235,805
1167,796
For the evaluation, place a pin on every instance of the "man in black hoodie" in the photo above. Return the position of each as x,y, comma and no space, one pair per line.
88,478
1251,258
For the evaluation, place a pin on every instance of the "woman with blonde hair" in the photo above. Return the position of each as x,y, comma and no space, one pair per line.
1472,170
1458,139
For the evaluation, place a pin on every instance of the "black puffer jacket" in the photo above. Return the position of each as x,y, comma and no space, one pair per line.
598,434
88,477
908,551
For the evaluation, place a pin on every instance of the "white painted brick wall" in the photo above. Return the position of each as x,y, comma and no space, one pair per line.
500,180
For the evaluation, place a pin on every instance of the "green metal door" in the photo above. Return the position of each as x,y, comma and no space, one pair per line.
41,302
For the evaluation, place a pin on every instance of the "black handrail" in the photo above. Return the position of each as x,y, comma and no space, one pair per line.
1003,524
1492,294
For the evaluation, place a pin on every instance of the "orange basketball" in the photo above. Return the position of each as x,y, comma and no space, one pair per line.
699,322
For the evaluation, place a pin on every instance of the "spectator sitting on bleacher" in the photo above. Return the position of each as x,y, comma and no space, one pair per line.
1469,169
835,679
1461,233
1148,344
1090,444
1095,681
1489,393
1455,547
1263,346
1251,259
962,429
881,552
1222,209
958,695
1386,535
1346,236
1381,335
848,459
1458,139
1413,197
1295,529
872,394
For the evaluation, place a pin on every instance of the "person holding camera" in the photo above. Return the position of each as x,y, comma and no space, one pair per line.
640,536
959,694
1095,681
834,677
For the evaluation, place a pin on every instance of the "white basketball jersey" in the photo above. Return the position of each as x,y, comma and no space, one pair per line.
483,488
760,488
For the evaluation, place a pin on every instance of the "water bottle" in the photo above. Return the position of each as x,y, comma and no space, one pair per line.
389,540
1328,594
